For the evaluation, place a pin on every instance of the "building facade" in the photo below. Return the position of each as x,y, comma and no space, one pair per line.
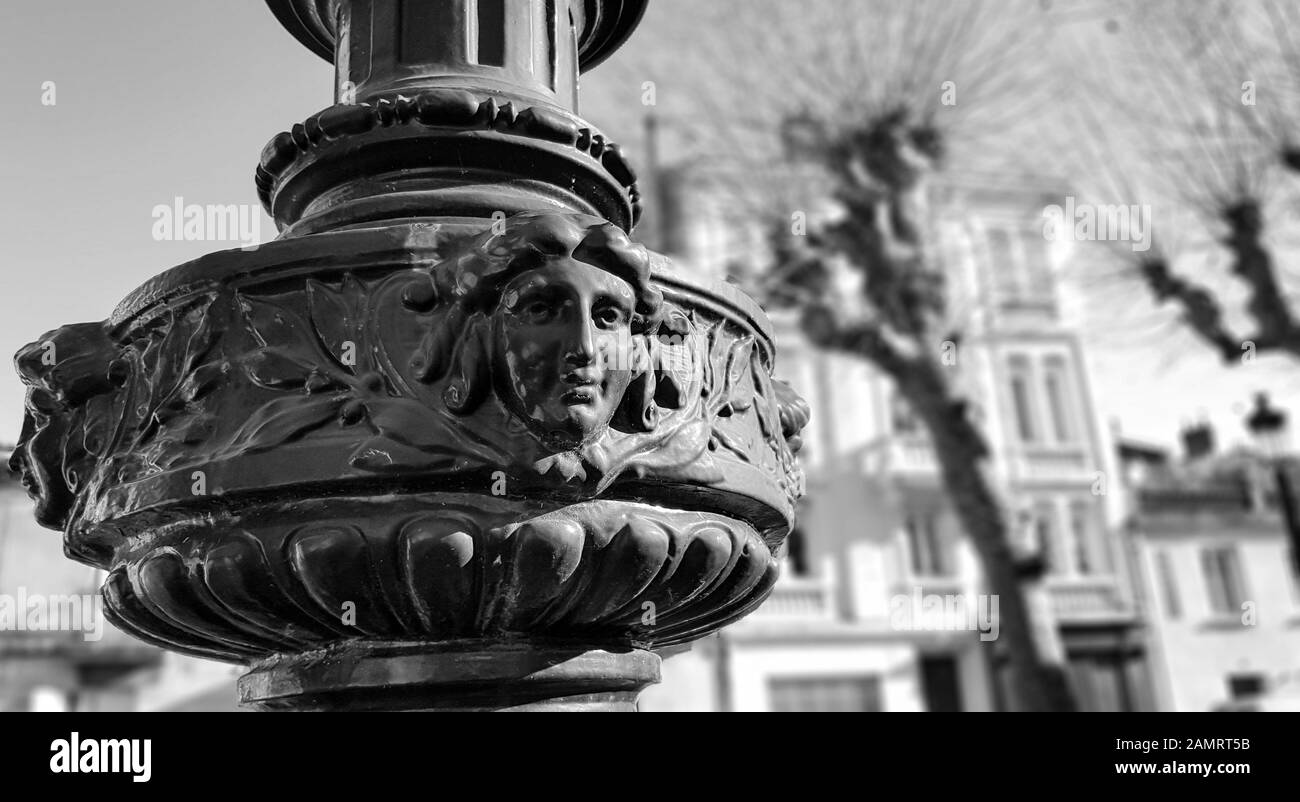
882,606
1220,585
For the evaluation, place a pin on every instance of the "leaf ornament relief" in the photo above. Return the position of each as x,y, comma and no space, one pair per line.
545,360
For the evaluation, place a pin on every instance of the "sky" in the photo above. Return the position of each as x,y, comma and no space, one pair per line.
161,100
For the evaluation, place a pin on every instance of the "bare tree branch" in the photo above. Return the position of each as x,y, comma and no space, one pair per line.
865,110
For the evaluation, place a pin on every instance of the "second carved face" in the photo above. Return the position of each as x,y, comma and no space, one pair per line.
562,332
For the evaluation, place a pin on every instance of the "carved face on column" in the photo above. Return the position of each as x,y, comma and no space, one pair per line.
563,335
40,443
64,371
554,313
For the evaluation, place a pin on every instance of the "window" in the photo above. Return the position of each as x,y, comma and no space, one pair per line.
1018,265
901,418
1168,587
941,684
1043,407
1037,267
1088,548
1241,686
1223,580
1022,400
1002,263
926,545
1046,539
826,695
1068,536
1024,410
1101,683
1056,383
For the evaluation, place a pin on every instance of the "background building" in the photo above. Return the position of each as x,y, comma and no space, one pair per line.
1222,597
847,627
56,651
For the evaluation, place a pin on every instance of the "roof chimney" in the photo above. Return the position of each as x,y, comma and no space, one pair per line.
1198,441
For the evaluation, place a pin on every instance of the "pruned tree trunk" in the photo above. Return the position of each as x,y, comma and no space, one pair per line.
898,326
963,455
873,102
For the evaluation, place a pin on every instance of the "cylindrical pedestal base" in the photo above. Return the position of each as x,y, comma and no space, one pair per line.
453,676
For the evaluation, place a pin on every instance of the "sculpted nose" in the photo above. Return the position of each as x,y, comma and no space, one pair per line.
582,343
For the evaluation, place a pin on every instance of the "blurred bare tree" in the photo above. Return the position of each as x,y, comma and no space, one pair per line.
1197,115
864,106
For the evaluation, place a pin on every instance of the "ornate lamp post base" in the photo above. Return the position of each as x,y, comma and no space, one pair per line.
454,441
467,675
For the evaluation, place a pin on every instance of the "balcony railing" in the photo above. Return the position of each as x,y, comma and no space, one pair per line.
1051,465
907,456
912,456
939,585
800,598
1088,598
1224,498
37,644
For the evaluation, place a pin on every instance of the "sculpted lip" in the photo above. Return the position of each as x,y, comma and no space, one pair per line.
581,378
584,387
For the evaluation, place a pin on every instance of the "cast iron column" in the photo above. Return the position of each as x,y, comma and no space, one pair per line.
452,440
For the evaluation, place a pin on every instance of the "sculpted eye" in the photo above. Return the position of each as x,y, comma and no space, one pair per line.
607,317
538,311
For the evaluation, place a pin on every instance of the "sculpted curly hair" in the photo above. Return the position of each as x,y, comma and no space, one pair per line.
460,352
530,240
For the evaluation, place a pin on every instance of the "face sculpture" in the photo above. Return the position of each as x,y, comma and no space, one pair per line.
64,371
562,330
554,313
